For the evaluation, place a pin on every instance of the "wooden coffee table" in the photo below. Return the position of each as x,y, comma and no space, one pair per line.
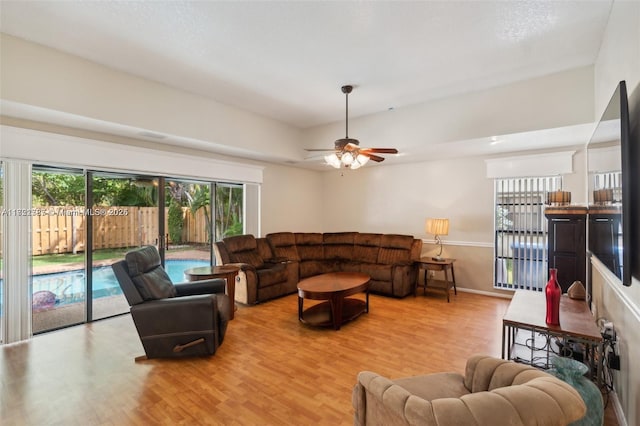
334,288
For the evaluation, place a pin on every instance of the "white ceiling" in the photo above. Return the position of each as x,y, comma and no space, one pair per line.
287,60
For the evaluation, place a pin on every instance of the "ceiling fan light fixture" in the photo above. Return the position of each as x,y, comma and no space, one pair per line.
333,160
347,151
347,158
362,159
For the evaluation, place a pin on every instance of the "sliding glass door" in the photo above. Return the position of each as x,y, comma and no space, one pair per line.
187,242
84,221
124,214
58,248
229,209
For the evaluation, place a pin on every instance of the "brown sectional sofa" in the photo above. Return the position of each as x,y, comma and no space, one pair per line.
272,266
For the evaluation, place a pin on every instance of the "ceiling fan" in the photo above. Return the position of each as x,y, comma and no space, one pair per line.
347,151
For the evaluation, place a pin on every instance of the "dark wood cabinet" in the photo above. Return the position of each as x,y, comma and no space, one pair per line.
567,245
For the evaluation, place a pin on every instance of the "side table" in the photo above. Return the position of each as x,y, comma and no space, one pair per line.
228,272
430,264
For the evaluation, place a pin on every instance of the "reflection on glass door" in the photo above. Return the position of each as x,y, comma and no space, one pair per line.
229,210
58,248
124,215
188,226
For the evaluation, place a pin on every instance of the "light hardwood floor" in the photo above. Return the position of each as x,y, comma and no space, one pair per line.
270,370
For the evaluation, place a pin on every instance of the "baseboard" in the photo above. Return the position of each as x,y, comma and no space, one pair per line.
484,293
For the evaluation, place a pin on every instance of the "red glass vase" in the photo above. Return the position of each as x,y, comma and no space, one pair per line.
553,292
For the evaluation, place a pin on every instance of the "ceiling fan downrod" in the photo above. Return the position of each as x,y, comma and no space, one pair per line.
346,90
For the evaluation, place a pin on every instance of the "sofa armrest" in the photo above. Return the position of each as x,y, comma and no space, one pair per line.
176,314
378,400
275,260
212,286
485,373
244,266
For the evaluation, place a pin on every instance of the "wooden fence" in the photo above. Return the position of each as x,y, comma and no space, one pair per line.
65,230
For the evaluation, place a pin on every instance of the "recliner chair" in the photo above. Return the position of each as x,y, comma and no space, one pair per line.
172,320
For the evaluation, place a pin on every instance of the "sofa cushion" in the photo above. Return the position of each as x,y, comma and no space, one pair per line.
244,249
395,249
264,249
309,246
284,245
366,247
309,268
338,245
434,386
377,272
147,274
271,276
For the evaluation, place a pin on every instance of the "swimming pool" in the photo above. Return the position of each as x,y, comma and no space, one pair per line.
69,286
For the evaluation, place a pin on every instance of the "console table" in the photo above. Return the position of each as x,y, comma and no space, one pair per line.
526,313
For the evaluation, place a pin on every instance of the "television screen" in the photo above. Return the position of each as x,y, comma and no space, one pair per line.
609,186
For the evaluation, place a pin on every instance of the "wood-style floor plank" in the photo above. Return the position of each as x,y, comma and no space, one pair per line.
270,370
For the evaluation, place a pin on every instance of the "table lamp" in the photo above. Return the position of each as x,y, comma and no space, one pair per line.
437,227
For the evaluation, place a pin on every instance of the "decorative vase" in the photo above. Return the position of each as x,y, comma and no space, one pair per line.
572,372
552,292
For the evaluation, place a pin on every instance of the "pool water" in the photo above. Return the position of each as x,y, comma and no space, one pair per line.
69,286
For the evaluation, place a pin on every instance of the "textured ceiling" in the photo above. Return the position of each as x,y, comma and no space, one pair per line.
287,60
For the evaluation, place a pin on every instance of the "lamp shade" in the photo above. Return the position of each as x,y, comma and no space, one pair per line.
559,197
437,226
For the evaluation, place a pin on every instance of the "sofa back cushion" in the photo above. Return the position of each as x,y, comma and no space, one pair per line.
147,274
244,249
264,249
309,245
366,247
284,245
338,245
395,249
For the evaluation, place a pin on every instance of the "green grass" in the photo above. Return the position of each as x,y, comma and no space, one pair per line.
56,259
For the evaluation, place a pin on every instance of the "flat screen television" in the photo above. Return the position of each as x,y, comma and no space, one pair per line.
609,161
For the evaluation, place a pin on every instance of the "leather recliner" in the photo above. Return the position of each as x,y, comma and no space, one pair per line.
172,320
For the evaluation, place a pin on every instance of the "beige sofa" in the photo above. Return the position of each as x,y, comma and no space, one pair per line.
272,266
492,392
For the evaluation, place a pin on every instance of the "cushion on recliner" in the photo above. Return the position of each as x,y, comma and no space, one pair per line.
395,249
147,274
366,247
338,245
309,246
244,249
271,276
284,245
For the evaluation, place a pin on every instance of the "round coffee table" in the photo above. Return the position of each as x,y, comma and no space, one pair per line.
333,287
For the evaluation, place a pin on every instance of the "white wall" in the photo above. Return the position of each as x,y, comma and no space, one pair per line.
42,77
398,199
555,100
291,200
619,59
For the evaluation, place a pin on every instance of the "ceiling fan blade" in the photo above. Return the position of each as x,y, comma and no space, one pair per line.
380,150
373,157
320,150
350,146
